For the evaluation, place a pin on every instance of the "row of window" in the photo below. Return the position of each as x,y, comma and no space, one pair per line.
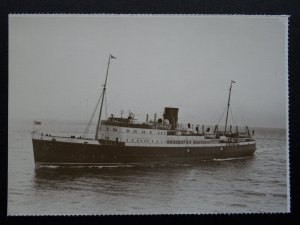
136,131
144,132
170,141
141,141
185,142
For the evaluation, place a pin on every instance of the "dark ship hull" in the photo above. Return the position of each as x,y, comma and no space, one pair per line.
56,152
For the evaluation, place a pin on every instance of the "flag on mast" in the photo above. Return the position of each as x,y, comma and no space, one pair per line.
113,57
232,81
37,122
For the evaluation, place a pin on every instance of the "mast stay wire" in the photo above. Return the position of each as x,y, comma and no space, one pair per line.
86,130
222,115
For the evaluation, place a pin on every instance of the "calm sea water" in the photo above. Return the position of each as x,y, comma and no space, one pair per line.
255,184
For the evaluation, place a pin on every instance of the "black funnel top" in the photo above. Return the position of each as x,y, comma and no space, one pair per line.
171,114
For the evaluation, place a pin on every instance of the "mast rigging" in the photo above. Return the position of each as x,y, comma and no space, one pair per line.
228,105
103,95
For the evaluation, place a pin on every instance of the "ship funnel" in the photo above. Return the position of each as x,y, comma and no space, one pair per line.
171,114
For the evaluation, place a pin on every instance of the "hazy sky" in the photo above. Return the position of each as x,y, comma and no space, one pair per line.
57,66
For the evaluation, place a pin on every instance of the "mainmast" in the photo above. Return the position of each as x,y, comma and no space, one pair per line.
228,105
103,95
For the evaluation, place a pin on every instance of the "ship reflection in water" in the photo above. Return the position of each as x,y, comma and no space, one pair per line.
119,173
150,188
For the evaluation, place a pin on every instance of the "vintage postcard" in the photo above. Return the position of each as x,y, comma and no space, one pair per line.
148,114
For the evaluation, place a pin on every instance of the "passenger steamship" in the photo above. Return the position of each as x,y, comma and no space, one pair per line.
123,140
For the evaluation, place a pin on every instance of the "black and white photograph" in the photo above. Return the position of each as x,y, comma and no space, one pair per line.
126,114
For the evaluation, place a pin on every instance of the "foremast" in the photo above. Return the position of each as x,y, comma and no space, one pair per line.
103,96
228,104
